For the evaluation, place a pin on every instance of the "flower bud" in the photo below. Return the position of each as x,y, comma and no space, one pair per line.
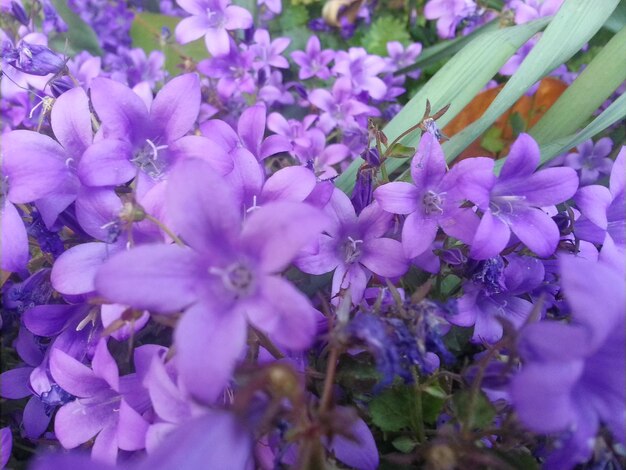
39,60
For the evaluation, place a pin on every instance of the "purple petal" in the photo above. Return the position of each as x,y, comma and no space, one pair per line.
208,345
293,183
237,18
105,446
131,428
274,144
191,28
487,329
165,397
428,166
593,201
74,377
104,365
163,278
202,208
95,209
175,108
213,440
124,116
277,231
51,206
322,260
536,230
353,277
359,449
15,383
284,313
14,239
217,41
36,419
544,188
491,237
555,411
74,271
6,445
385,257
474,179
418,234
397,197
618,172
107,163
71,122
34,165
195,146
251,128
523,158
220,133
50,320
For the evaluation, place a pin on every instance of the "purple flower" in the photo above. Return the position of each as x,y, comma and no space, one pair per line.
603,208
54,174
268,52
339,107
228,277
449,13
399,57
99,410
431,201
211,19
6,444
572,379
591,160
250,134
529,10
354,247
138,138
512,202
493,293
34,59
361,69
313,61
233,71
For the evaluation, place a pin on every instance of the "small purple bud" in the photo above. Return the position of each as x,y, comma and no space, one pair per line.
363,189
60,85
166,33
34,59
453,257
18,12
318,24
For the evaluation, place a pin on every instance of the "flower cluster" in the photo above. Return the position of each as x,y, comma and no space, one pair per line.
186,286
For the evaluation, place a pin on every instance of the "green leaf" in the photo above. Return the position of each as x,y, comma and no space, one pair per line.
449,284
389,409
383,30
445,49
594,85
79,36
456,83
401,151
433,399
574,24
517,123
618,19
476,412
404,444
492,140
146,34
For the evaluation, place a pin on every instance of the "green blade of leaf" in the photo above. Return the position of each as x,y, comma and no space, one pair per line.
445,49
79,35
146,34
593,86
573,25
456,83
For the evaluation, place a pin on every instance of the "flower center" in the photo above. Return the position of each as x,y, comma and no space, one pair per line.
433,202
351,250
148,159
237,278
